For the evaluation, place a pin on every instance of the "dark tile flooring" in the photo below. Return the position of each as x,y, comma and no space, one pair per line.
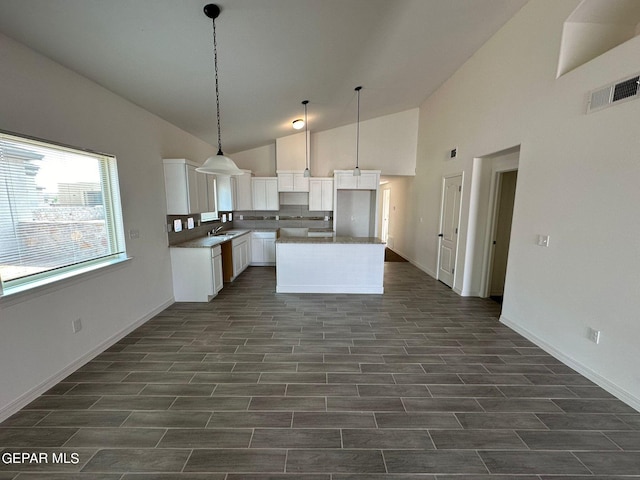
416,384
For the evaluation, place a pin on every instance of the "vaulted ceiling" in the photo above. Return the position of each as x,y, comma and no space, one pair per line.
272,54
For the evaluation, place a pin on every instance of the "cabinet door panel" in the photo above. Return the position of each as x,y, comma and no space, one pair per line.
269,249
327,195
315,195
368,181
272,199
346,180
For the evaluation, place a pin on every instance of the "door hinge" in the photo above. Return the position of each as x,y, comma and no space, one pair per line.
453,270
460,188
456,230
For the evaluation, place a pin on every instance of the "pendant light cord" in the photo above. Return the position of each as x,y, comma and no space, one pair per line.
215,64
306,135
357,89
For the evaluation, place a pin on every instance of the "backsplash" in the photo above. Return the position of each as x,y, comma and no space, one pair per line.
287,216
200,229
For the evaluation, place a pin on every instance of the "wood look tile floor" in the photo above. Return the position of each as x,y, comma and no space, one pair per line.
415,384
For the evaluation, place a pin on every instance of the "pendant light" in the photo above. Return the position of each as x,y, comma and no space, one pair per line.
307,172
218,164
356,171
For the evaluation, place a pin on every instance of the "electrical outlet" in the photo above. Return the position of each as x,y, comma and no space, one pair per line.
134,233
543,240
594,335
76,325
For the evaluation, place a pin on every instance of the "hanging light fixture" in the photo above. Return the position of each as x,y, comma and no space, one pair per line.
307,172
298,124
356,171
218,164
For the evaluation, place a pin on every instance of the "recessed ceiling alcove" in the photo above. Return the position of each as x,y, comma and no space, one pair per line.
595,27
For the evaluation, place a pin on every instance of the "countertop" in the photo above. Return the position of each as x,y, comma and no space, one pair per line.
212,241
336,240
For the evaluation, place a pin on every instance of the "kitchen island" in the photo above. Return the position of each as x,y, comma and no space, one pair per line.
329,265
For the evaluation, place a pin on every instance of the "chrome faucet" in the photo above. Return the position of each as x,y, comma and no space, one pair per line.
217,229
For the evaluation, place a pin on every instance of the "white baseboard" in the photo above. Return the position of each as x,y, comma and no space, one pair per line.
28,397
373,289
612,388
425,269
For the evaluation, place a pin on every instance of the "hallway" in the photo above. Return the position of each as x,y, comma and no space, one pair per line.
415,384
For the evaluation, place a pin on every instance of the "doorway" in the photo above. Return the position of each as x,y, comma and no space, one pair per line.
503,215
449,226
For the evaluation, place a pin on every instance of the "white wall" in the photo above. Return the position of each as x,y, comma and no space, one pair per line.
261,161
387,143
42,99
577,182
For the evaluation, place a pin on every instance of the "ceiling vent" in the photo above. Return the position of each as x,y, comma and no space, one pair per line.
614,93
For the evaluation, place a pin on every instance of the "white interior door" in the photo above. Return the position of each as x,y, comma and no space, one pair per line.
449,224
385,215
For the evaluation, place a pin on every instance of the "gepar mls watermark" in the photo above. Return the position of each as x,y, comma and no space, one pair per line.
29,458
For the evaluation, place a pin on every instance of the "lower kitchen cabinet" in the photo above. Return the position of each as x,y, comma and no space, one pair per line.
236,256
263,248
197,273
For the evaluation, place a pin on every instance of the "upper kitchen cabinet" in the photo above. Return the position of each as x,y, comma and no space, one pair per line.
367,180
187,191
265,193
234,192
226,193
289,181
320,194
244,191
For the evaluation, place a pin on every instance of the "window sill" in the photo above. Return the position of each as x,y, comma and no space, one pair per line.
36,289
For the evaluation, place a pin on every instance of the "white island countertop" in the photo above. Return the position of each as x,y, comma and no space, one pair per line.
330,240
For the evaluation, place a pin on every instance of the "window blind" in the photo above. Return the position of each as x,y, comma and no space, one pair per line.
60,210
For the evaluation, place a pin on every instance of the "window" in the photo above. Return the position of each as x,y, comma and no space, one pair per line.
60,212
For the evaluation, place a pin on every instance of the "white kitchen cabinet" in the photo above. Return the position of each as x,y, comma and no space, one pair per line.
225,188
241,248
187,191
263,248
218,282
265,193
243,191
367,180
234,192
197,273
320,194
292,181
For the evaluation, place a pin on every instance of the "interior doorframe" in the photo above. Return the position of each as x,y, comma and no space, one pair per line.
440,225
386,205
492,223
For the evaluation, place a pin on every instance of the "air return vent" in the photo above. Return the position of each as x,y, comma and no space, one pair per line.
614,93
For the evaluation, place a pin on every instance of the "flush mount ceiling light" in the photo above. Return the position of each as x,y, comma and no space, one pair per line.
298,124
356,171
218,164
307,172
